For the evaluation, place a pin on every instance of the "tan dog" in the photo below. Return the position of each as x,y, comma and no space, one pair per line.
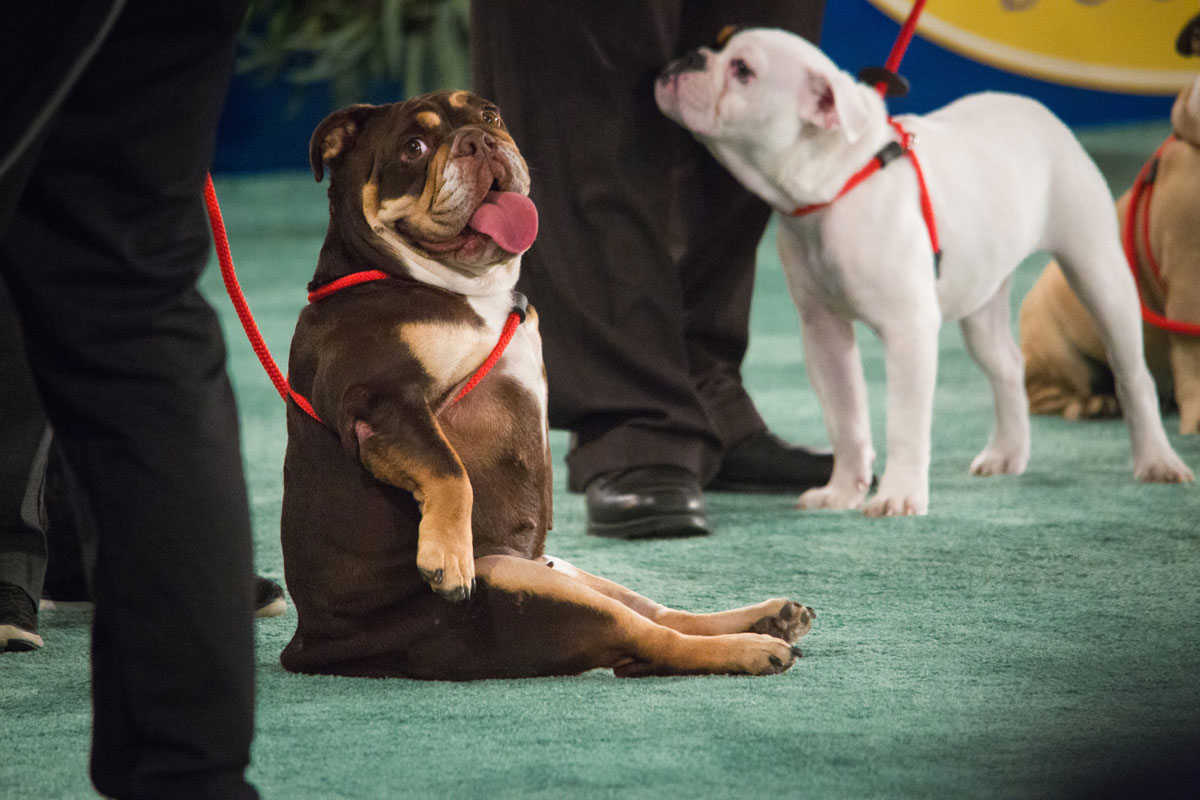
1066,367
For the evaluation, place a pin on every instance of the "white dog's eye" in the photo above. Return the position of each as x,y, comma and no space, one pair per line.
414,148
741,71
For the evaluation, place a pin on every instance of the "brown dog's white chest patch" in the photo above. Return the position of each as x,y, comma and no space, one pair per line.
448,352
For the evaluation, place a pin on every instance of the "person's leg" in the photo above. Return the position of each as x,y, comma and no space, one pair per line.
102,256
574,85
724,224
24,440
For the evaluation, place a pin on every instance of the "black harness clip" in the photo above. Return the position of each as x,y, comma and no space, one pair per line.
894,85
889,153
520,305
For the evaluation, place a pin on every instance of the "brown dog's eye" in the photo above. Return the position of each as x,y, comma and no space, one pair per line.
414,148
741,71
492,118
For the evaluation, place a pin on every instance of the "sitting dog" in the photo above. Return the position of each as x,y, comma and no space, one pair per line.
1004,178
1066,367
415,509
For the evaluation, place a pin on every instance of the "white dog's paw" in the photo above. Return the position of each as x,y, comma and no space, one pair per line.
898,499
897,506
995,461
1167,469
830,497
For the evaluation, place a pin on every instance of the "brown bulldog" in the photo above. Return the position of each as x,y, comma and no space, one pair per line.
417,495
1066,367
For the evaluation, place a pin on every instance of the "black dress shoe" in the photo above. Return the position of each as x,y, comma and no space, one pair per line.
765,464
645,502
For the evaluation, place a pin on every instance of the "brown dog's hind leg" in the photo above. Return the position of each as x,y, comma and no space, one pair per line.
778,617
529,620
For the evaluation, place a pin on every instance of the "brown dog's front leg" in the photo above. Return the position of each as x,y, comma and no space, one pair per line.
400,442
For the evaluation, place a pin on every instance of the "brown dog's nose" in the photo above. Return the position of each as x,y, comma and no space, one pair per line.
472,142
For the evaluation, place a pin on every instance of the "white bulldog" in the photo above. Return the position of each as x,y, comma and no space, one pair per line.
1005,178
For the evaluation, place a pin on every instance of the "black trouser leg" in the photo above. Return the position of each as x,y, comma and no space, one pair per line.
723,226
573,81
24,442
102,256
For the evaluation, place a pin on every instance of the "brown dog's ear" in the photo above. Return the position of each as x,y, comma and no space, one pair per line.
834,100
334,136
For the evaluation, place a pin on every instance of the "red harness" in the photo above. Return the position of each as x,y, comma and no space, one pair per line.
225,259
1143,190
885,156
515,318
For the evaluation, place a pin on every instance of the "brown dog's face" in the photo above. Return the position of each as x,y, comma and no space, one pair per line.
437,176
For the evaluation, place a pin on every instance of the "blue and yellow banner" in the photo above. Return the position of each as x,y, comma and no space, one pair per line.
1111,45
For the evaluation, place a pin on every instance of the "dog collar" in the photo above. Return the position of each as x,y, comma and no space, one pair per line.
889,153
1139,208
515,317
345,282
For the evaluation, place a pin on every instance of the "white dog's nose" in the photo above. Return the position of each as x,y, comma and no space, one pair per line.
693,61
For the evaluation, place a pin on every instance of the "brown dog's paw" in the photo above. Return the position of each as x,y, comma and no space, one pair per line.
764,655
727,654
789,623
450,574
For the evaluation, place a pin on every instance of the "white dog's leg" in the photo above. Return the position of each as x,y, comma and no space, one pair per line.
910,350
989,341
835,369
1095,268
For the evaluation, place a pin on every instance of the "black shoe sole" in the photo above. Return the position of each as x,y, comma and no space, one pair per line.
663,526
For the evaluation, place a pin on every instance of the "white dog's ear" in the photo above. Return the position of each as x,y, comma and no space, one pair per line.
832,101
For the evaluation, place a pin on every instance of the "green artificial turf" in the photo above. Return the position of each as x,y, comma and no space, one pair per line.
1034,636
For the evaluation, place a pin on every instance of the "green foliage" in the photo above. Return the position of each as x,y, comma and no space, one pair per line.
420,45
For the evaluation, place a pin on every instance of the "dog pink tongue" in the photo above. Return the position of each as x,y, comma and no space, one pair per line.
509,218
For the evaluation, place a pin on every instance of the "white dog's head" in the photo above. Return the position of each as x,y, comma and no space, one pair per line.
762,97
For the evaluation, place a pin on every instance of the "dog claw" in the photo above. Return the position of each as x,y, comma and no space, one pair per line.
796,652
455,595
775,661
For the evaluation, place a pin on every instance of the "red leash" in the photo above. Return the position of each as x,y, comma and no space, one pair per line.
900,46
234,289
1143,190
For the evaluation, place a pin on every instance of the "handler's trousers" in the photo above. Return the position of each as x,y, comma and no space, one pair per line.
643,269
102,238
